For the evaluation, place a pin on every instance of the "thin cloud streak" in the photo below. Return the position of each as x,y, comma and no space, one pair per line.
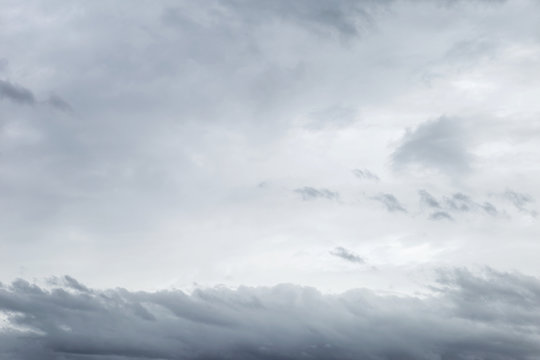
347,255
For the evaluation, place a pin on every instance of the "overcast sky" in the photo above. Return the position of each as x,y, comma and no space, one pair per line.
166,147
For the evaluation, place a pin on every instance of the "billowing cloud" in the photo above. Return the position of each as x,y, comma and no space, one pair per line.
310,193
482,316
436,144
347,255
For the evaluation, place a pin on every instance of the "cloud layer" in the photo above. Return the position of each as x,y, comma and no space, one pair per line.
490,315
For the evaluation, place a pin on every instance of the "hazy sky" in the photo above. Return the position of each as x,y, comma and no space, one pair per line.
353,144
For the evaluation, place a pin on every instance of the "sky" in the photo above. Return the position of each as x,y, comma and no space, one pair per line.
291,179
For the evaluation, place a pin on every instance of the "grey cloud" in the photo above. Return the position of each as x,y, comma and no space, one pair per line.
347,255
490,315
520,201
310,193
365,174
16,93
344,17
392,204
74,284
3,64
58,103
428,199
458,202
337,116
440,215
466,50
478,297
463,203
489,208
437,144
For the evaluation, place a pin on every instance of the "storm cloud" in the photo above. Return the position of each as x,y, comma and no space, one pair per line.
490,315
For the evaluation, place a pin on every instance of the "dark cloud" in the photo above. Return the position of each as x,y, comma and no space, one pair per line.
392,204
437,144
310,193
365,174
16,93
347,255
476,316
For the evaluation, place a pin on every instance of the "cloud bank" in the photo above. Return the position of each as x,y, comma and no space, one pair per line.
491,315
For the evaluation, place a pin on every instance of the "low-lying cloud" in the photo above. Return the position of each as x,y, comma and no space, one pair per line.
491,315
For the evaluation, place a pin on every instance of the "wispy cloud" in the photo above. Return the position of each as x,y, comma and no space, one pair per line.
310,193
365,174
428,199
390,202
520,201
440,215
347,255
455,203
